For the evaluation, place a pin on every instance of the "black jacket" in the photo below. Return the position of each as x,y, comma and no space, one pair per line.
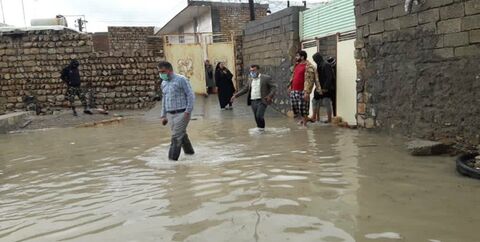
71,76
326,77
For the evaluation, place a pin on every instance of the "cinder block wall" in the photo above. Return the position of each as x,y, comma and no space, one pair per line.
327,46
272,43
31,62
420,71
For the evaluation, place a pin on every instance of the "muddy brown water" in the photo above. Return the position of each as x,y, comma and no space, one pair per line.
114,183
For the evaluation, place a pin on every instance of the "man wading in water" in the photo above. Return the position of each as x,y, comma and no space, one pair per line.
261,89
177,106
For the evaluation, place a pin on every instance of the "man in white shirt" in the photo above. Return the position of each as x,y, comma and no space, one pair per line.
261,90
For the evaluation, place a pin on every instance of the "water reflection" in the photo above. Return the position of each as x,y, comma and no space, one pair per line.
318,184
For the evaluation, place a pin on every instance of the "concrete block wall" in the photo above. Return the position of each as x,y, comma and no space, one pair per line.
31,62
231,17
327,46
420,72
272,43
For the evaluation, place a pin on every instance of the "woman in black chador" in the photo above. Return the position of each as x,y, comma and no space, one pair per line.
223,79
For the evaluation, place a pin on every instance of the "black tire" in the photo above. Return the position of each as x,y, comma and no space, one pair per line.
465,169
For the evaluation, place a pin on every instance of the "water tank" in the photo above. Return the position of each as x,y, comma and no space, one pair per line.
58,20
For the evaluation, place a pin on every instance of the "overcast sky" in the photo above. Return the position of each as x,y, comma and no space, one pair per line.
101,13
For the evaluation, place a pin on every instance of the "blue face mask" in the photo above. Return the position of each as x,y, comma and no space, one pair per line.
253,74
164,76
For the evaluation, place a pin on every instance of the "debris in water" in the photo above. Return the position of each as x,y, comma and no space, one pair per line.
24,125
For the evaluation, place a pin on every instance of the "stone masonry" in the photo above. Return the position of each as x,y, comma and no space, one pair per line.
272,43
419,72
32,62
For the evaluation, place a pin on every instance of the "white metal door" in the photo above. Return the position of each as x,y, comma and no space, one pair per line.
346,81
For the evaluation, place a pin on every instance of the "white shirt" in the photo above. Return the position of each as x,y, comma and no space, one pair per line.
255,94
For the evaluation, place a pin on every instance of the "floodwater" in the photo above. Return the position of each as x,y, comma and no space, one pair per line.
114,183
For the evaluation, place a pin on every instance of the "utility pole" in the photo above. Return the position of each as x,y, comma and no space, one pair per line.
24,19
252,10
81,23
3,13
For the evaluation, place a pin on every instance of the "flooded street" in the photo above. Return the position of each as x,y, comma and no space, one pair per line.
115,183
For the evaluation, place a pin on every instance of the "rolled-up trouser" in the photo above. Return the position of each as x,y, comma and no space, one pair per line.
258,108
178,125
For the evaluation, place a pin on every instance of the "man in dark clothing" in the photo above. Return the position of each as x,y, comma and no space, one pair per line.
210,83
71,76
326,78
333,63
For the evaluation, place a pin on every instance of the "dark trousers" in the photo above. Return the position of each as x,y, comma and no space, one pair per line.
180,138
259,108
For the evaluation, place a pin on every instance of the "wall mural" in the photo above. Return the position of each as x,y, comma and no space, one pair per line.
185,67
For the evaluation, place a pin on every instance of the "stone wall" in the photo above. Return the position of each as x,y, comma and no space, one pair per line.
239,68
420,71
272,43
32,62
129,38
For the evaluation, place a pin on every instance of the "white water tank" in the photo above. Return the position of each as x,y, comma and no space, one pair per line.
58,20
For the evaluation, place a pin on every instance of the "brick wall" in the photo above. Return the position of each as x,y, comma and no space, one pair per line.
420,71
129,38
272,43
32,62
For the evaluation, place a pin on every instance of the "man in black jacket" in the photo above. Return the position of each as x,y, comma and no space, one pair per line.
71,76
326,78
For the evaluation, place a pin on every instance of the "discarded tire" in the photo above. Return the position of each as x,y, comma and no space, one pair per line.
463,167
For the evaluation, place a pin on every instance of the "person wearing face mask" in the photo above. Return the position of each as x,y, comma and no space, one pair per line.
177,106
301,85
261,90
223,79
71,76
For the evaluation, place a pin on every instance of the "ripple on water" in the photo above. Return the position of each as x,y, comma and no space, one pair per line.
333,181
287,178
269,131
385,235
207,153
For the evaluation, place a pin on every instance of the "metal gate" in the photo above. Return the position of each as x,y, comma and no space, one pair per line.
187,53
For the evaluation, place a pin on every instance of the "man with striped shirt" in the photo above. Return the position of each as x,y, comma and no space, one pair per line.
177,106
